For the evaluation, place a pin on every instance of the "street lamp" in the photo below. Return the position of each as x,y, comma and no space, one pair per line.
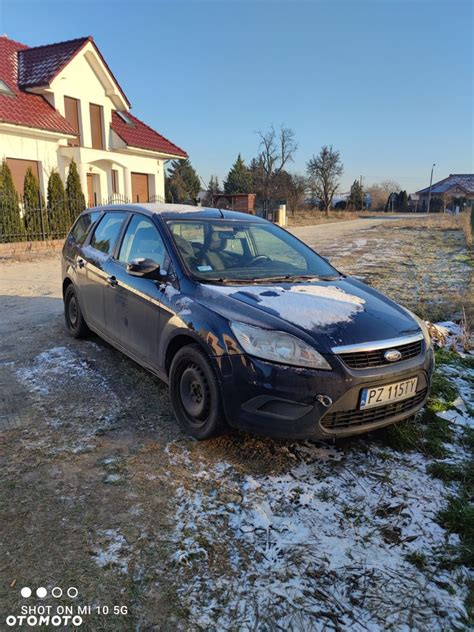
431,182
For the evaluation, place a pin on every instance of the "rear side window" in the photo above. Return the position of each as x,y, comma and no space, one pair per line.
81,228
107,232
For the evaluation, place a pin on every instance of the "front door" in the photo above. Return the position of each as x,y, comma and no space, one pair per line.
134,304
91,193
140,191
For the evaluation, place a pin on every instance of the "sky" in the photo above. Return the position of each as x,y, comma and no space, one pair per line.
388,83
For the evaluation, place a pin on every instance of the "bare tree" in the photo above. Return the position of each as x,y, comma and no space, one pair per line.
297,187
380,192
324,171
276,150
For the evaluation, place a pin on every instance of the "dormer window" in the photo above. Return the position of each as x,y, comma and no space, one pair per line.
125,118
4,89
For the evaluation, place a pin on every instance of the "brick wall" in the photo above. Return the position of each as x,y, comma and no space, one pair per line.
22,249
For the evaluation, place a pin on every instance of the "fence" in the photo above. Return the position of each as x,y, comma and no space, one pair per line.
22,222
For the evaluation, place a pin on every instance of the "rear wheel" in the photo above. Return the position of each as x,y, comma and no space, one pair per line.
195,394
75,323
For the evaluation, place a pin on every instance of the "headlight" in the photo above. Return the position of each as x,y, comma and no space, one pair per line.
277,346
426,333
423,327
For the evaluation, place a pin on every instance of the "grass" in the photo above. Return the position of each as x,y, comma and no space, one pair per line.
442,388
418,559
426,434
458,517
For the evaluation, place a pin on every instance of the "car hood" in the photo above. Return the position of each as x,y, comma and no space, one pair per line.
340,312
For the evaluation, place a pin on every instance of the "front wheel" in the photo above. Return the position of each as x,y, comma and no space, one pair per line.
195,394
75,323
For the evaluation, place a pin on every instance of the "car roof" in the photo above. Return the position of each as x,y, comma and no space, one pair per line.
181,211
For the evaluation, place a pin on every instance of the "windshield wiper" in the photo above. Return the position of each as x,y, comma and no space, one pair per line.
289,278
294,277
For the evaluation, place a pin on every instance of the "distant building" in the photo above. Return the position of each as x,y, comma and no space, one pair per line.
242,202
457,190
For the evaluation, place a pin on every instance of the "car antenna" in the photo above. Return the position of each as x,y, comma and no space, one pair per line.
220,211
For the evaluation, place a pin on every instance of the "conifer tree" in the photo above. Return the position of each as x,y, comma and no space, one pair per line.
33,206
183,184
356,197
11,223
239,178
76,202
58,216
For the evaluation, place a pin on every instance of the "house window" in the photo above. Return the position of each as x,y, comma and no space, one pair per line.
19,168
71,114
114,181
96,126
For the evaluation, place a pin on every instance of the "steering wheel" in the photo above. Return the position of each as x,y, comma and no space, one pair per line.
259,259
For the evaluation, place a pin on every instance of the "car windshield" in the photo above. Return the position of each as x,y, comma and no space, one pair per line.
222,250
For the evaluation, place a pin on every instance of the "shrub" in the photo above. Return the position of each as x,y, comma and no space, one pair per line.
75,197
58,215
35,219
11,223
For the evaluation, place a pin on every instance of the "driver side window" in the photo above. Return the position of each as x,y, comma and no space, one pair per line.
142,240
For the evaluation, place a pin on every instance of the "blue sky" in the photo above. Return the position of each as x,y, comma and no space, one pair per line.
386,82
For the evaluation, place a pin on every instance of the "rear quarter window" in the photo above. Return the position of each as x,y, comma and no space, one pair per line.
81,228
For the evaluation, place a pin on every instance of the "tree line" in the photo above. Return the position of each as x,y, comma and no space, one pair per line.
268,176
30,217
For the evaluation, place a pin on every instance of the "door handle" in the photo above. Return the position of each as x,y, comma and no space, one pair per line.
112,281
81,263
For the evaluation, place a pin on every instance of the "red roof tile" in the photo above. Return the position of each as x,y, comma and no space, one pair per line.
39,65
138,134
23,108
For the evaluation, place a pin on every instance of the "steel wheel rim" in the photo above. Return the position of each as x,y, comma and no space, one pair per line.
73,312
194,394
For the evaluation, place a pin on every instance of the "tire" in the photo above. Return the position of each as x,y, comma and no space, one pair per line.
75,323
195,394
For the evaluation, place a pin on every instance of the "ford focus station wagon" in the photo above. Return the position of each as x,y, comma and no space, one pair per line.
247,325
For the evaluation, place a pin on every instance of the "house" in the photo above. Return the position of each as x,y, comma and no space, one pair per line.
456,190
61,102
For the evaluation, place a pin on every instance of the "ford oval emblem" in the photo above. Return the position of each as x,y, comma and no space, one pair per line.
392,355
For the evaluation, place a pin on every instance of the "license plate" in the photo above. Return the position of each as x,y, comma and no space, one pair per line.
379,395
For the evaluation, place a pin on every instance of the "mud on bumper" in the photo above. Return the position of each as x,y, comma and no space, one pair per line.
278,401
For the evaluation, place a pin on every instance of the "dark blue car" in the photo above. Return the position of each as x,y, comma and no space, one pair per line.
248,326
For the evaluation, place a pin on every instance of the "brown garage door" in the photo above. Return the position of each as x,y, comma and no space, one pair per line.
18,168
140,187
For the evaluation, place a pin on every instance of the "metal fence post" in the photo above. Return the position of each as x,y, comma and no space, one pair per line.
43,232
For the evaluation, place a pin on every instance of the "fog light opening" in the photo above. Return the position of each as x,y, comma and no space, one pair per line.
325,400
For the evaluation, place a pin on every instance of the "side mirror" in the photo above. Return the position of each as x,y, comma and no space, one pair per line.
145,268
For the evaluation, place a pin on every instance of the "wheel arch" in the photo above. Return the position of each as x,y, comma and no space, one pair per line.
180,340
66,283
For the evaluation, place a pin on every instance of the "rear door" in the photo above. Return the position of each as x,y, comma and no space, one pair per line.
133,305
92,262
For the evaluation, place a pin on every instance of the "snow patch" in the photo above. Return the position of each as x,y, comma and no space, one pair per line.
323,546
312,305
112,550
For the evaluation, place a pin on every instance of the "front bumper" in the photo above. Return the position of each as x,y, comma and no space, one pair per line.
281,401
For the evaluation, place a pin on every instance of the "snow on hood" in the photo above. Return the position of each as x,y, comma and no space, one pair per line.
315,305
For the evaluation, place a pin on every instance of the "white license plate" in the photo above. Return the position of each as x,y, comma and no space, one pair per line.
379,395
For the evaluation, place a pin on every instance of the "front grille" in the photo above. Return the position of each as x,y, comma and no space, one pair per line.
343,419
369,359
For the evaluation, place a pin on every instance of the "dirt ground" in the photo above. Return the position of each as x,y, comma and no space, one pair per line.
101,491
